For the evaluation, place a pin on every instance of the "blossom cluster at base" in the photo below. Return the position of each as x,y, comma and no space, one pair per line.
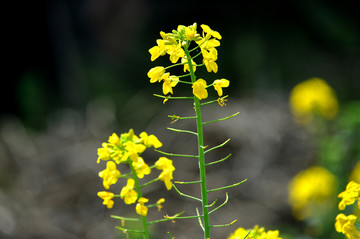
255,233
126,149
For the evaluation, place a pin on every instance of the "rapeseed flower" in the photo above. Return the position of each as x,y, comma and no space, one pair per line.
150,140
309,189
345,225
350,195
219,84
313,96
128,193
209,58
167,168
355,174
107,197
199,89
158,50
169,83
140,208
109,175
255,233
155,74
141,168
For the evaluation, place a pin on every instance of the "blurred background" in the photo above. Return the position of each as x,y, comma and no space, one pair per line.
76,73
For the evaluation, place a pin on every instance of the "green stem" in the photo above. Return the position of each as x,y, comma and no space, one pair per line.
145,230
201,154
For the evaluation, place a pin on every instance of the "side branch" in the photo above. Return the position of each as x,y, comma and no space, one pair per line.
185,195
229,186
191,182
221,205
174,98
213,121
218,161
213,101
224,225
176,155
182,131
218,146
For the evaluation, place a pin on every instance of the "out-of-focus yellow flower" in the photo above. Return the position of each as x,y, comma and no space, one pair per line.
255,233
107,197
309,189
109,175
141,168
140,208
150,140
167,168
313,96
209,58
219,84
349,196
155,74
345,225
199,89
355,174
159,203
128,193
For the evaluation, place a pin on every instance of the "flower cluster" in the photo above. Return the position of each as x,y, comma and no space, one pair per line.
346,224
309,189
176,44
254,233
313,96
127,149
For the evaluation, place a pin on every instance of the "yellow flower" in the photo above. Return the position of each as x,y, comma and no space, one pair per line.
107,197
199,89
169,82
190,32
133,150
255,233
128,193
141,168
167,168
309,189
158,50
209,58
110,175
104,153
115,140
345,225
156,73
175,52
140,208
313,96
219,84
208,30
240,233
349,196
186,64
150,140
159,202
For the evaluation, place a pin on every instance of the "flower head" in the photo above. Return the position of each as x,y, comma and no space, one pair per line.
349,196
109,175
255,233
208,30
140,208
199,89
158,50
310,189
141,168
313,96
150,140
128,193
345,225
209,58
155,74
169,83
107,197
219,84
167,168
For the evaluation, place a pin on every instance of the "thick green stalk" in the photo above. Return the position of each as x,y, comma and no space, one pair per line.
145,230
200,137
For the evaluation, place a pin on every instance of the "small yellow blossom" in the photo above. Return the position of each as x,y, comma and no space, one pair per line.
345,225
128,193
140,208
255,233
199,89
208,30
159,203
349,196
309,189
133,150
109,175
155,74
115,140
313,96
107,197
209,58
219,84
141,168
104,153
158,50
167,168
150,140
175,52
169,83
